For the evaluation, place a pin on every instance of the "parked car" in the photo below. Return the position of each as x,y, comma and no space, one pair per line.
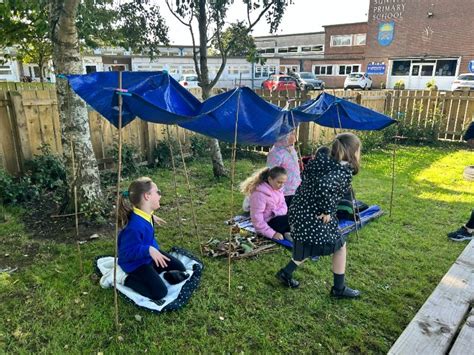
189,81
308,81
463,82
276,82
358,81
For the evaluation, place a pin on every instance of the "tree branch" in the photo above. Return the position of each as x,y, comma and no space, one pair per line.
176,16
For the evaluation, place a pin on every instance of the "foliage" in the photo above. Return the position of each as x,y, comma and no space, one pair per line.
431,85
130,159
136,25
47,170
16,190
162,154
383,85
399,85
199,145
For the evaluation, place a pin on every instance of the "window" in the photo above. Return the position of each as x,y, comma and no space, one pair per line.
5,70
263,71
286,69
293,49
187,69
401,67
91,69
266,50
318,48
36,71
346,69
322,69
283,50
341,40
360,39
427,70
446,67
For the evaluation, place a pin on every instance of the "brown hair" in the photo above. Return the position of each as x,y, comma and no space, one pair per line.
135,194
345,147
250,184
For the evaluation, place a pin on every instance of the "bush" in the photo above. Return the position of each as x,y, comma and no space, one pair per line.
46,171
399,85
13,190
130,159
199,146
431,85
162,155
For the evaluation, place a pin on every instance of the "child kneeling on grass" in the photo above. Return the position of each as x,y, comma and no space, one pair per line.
139,254
312,215
268,209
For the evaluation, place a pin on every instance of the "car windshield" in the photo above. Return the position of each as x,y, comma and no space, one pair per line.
356,75
307,76
285,78
466,77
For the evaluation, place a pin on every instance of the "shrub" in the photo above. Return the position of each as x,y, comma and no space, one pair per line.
399,85
46,171
130,159
13,190
431,85
199,146
162,155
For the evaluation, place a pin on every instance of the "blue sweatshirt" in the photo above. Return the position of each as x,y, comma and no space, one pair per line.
134,242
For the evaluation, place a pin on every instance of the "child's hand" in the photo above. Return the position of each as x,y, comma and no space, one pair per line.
158,258
326,218
277,236
158,221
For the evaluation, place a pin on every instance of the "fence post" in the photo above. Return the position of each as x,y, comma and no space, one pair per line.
387,102
20,127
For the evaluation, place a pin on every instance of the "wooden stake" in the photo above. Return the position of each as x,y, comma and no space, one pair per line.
119,176
232,176
76,214
393,177
196,231
178,213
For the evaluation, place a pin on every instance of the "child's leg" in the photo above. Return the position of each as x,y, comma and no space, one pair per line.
146,281
280,224
470,223
339,289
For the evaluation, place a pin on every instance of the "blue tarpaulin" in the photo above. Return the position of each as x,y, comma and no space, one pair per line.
157,97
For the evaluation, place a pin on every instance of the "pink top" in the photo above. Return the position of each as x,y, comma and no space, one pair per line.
284,155
266,203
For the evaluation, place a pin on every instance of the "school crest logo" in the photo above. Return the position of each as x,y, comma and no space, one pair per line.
385,36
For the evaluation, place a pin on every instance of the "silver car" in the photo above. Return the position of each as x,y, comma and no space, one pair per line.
308,81
463,82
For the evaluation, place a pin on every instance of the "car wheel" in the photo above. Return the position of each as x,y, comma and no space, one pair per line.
365,87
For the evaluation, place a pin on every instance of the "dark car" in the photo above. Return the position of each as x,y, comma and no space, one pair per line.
308,81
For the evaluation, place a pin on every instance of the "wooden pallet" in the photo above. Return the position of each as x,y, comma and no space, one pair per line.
445,322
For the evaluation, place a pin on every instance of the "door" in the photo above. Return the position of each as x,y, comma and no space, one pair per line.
420,74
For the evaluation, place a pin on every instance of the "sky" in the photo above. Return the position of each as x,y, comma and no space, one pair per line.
302,16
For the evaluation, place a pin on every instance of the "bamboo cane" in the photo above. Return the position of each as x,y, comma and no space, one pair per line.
76,215
178,211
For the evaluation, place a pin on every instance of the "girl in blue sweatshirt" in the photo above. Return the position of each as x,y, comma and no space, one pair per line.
139,254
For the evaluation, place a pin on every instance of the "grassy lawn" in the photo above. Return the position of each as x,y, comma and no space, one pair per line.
47,306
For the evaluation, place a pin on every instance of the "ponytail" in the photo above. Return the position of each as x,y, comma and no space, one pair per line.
135,194
260,176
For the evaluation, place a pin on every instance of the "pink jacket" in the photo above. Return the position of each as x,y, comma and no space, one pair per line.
266,203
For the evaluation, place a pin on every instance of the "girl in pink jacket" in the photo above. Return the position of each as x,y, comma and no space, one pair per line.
268,209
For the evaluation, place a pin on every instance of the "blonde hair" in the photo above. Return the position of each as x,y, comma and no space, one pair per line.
345,147
136,190
250,184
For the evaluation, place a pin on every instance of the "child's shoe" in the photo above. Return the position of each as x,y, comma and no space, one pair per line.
286,279
346,292
460,235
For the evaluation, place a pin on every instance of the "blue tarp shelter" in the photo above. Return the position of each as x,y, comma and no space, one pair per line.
157,97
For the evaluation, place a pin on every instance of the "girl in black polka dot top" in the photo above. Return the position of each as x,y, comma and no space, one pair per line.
312,214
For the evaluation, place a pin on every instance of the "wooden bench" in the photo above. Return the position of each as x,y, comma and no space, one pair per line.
445,322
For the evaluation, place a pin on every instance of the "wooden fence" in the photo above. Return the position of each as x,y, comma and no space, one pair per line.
29,119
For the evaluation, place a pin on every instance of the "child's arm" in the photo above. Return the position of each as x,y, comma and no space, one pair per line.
132,246
257,206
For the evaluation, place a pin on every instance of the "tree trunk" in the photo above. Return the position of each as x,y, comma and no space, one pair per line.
218,167
73,114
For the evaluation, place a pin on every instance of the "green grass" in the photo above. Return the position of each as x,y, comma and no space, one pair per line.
47,306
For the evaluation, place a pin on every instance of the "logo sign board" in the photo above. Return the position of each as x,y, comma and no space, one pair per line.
376,68
471,66
386,33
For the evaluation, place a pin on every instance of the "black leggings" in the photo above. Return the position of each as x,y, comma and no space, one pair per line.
146,280
280,224
470,223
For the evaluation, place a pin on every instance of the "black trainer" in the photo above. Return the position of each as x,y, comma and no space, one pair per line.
346,292
460,235
286,279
